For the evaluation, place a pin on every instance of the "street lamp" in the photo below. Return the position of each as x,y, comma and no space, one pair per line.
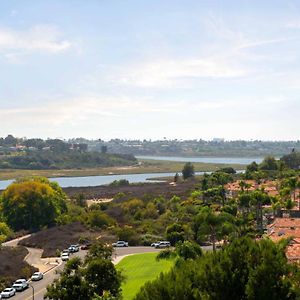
32,291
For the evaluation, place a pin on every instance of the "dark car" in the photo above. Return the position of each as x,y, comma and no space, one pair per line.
86,246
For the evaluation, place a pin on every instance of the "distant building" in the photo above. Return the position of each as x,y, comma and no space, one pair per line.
218,140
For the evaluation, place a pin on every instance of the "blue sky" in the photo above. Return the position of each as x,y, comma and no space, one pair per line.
150,69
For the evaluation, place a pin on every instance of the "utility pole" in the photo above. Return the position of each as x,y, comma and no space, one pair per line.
32,291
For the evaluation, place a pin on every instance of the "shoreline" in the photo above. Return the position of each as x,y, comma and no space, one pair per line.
154,166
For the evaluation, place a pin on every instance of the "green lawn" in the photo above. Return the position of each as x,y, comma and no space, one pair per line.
138,269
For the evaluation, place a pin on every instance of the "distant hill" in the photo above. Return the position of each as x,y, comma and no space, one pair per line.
216,148
65,160
37,154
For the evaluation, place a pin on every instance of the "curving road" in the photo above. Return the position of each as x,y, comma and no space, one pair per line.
40,286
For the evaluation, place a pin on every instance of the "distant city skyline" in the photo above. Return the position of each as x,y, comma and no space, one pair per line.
141,69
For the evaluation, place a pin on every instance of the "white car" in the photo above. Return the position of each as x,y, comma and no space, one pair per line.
20,285
120,244
8,292
66,251
37,276
73,248
64,256
155,244
164,244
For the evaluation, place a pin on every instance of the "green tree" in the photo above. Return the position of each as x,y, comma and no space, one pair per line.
245,269
98,219
93,279
99,250
184,250
209,225
253,167
175,233
188,171
71,283
32,203
292,160
5,232
269,164
101,275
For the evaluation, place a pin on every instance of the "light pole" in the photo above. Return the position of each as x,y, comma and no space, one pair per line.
32,291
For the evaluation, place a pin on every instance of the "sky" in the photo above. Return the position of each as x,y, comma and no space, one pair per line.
140,69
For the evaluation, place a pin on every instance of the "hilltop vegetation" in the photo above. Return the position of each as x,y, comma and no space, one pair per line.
215,148
37,154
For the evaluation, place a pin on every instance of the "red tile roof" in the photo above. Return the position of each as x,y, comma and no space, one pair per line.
293,252
285,223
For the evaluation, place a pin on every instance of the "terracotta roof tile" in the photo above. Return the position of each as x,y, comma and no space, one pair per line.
293,252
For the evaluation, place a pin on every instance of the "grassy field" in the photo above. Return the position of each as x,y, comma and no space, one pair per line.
138,269
146,166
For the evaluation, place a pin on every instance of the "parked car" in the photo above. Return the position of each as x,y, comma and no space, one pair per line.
155,244
65,251
20,285
120,244
86,246
64,256
8,292
164,244
73,248
37,276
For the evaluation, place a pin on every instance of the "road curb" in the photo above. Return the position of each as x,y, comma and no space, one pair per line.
59,264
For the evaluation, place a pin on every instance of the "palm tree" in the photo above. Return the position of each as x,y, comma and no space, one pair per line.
292,184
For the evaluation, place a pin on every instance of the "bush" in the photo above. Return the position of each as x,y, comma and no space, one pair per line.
188,171
121,182
98,219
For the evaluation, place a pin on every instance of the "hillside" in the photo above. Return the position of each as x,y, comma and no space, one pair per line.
40,160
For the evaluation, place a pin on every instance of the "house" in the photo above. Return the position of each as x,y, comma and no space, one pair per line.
287,228
268,186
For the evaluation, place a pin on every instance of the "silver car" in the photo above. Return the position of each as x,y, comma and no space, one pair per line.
20,285
37,276
120,244
163,245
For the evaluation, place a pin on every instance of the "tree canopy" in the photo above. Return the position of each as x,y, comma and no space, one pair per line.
87,280
188,171
32,203
243,270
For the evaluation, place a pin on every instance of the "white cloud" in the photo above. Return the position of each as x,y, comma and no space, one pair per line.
81,109
58,113
41,39
174,72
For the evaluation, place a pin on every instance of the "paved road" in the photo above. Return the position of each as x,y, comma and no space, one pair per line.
14,243
40,286
49,276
